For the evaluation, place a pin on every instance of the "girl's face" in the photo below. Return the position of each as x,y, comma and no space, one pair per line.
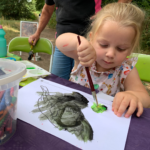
112,43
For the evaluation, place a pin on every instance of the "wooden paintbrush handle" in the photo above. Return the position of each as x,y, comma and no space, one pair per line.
90,80
87,71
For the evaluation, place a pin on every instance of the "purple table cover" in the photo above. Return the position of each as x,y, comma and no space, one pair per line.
28,137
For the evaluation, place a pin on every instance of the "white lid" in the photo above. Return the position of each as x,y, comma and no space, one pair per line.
10,71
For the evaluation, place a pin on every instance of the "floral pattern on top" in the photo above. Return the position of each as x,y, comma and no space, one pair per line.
109,82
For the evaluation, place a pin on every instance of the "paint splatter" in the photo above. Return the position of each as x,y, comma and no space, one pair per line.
65,45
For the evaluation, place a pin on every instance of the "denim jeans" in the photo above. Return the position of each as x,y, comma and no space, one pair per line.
62,65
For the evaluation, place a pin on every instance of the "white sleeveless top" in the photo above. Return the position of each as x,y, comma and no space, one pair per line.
109,82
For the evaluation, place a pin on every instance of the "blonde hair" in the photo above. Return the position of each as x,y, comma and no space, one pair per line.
126,14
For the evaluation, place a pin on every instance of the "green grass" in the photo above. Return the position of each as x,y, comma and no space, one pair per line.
11,27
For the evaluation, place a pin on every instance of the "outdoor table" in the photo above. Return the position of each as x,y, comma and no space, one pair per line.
28,137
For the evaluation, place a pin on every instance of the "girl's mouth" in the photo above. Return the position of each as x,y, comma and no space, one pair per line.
108,62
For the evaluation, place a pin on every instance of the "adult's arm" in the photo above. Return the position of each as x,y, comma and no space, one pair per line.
47,12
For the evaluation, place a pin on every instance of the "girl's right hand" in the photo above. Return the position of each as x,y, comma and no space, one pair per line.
86,53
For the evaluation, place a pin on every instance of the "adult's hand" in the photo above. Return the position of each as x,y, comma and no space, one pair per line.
33,38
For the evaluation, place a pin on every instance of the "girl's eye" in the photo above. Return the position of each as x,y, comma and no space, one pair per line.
104,46
120,49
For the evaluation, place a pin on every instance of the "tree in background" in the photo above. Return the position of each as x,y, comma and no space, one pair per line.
14,9
145,4
39,4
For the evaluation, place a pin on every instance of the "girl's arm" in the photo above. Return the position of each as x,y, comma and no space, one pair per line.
84,53
134,85
134,96
67,44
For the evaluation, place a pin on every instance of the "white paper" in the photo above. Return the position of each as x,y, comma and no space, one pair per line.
110,131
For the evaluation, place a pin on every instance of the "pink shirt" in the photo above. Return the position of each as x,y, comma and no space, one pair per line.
97,5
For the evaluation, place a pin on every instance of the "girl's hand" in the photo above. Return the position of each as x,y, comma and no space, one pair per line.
86,53
124,100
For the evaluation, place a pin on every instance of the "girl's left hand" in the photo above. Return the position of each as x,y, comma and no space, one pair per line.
124,100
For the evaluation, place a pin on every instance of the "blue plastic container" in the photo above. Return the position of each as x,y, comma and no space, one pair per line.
3,43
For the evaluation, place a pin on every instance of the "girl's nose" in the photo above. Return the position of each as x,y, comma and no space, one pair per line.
110,53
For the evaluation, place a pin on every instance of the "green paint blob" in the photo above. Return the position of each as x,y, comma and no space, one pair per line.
96,86
98,109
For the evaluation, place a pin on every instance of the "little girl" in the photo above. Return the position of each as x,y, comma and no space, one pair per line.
114,35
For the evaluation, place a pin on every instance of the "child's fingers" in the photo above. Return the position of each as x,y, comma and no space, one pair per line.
85,56
88,63
85,59
140,109
121,103
117,101
123,106
113,105
131,109
82,46
83,53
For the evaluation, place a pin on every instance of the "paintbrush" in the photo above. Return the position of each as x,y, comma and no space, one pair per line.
89,78
31,54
